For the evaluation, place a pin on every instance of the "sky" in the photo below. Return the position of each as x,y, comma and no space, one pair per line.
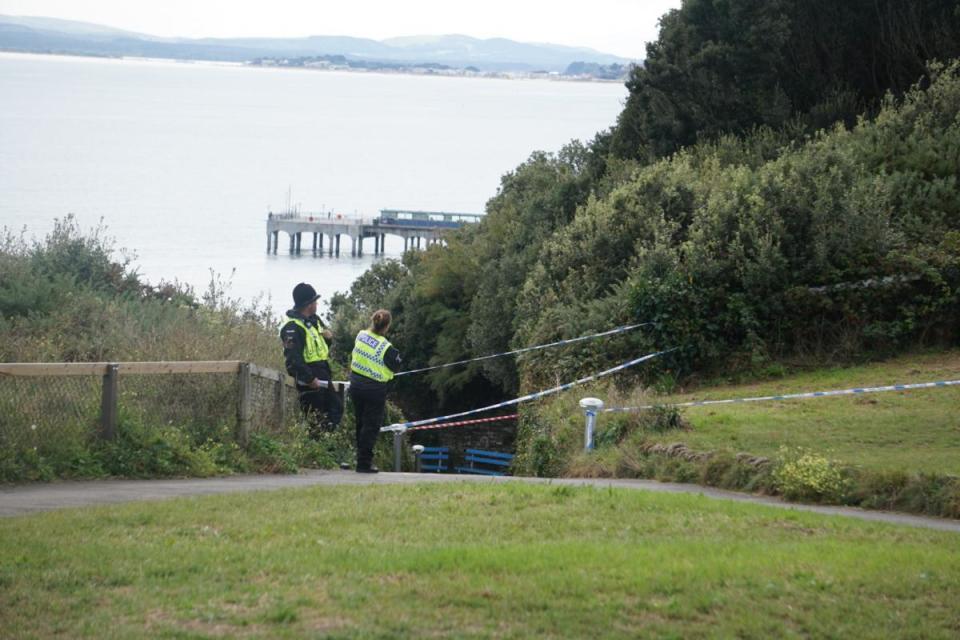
621,27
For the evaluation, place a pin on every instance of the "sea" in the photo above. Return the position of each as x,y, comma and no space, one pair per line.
180,162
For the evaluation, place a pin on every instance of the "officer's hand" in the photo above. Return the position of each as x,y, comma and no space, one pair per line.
315,383
327,334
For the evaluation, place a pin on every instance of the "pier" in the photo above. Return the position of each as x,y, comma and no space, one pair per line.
417,228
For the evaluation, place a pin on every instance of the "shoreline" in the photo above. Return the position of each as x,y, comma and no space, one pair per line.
8,53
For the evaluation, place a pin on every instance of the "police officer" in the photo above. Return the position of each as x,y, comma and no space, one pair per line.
307,355
372,364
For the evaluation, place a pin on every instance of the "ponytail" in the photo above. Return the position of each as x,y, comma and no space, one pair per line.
380,321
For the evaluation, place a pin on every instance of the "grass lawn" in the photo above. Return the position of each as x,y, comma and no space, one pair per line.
511,561
909,431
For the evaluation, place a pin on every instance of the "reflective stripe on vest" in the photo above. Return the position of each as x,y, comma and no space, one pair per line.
367,357
315,349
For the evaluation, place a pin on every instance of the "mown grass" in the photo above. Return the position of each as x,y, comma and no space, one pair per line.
910,431
477,561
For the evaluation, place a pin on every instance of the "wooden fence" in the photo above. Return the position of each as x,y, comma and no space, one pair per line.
112,371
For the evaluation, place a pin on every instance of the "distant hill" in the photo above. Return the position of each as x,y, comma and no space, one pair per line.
49,35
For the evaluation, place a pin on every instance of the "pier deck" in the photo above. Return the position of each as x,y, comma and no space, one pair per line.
415,227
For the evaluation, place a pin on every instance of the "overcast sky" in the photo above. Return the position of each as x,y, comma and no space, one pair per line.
613,26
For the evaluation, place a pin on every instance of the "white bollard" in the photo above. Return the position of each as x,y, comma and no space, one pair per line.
591,407
417,452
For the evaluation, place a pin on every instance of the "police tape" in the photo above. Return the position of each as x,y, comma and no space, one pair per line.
527,398
623,329
793,396
463,423
338,385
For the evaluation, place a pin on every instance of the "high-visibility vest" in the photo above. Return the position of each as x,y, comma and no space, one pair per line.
315,349
367,357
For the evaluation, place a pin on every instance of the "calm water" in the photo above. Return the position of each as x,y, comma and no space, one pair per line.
182,161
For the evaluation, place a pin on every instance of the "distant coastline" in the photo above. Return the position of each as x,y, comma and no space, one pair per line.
617,73
411,71
454,55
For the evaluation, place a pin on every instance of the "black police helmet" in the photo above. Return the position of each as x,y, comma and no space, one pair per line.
303,294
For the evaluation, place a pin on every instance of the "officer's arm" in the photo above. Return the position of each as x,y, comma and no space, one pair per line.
392,359
294,339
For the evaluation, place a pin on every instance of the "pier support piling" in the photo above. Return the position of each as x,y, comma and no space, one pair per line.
276,240
338,245
315,241
299,238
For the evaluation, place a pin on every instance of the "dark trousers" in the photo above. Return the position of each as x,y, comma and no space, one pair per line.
322,408
369,407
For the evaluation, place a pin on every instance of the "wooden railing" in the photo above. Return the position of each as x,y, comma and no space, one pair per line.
111,372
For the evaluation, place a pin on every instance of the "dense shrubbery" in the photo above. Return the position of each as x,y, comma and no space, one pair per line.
844,245
741,251
66,298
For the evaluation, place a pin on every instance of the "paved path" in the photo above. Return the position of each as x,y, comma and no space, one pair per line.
25,499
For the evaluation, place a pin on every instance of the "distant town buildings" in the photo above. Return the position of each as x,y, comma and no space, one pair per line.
576,71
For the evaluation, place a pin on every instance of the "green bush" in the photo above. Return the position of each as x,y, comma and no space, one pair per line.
839,247
24,465
804,475
537,452
269,455
146,452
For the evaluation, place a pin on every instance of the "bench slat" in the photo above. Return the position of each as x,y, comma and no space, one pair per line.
491,454
479,471
476,459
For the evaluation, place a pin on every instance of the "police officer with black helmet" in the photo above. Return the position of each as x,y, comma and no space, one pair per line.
307,356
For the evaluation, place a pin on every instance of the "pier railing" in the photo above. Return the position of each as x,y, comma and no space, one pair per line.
76,399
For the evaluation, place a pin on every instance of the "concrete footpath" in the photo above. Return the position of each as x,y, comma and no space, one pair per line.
18,500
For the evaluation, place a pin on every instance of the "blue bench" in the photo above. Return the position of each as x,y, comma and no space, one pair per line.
499,461
435,459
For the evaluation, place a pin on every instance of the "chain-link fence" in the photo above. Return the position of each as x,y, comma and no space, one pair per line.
34,410
178,399
74,402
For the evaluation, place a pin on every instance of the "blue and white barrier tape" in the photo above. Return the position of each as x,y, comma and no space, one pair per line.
611,332
794,396
533,396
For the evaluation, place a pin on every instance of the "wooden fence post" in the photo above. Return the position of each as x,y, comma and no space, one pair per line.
243,404
280,391
108,403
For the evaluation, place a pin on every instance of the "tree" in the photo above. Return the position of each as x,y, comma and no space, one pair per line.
726,66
